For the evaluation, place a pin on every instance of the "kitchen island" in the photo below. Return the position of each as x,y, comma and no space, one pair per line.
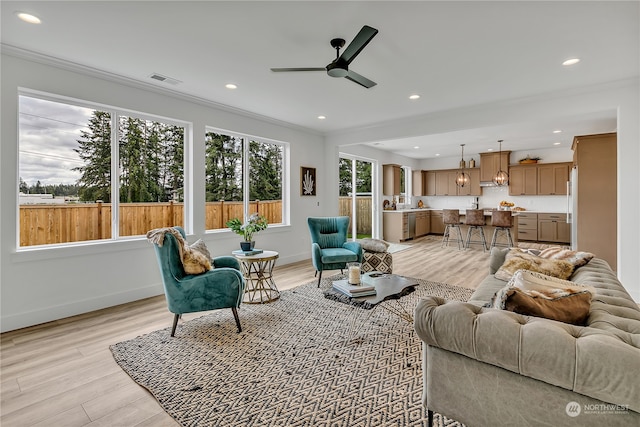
401,225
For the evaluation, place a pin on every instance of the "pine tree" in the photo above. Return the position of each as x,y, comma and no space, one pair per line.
265,171
94,149
223,162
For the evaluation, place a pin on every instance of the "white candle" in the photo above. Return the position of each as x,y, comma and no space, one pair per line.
354,274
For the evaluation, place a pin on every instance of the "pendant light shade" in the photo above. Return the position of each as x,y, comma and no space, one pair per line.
462,178
501,178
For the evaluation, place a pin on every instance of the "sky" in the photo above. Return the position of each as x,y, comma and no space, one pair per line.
49,131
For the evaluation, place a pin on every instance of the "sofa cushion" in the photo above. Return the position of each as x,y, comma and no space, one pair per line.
577,258
534,281
338,255
517,260
201,247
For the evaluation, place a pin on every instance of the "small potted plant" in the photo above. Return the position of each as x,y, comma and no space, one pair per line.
254,224
528,160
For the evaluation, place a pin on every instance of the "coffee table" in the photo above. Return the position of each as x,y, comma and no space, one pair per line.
258,273
390,288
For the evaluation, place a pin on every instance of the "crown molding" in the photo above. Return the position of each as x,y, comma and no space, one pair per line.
75,67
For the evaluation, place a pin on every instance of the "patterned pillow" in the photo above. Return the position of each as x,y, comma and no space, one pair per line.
201,247
577,258
519,260
533,281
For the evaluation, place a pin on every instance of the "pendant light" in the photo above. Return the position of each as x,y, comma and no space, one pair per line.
501,178
462,178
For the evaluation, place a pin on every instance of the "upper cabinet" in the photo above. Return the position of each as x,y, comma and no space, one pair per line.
523,180
446,183
443,183
417,183
429,183
390,180
540,179
473,189
553,178
491,163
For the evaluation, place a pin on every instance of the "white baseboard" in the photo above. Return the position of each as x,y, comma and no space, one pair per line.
48,314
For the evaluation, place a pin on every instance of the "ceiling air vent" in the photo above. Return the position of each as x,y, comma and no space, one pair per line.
165,79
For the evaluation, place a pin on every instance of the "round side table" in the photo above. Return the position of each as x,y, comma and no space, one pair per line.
258,273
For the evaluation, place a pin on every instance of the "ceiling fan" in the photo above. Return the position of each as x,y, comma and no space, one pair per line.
339,67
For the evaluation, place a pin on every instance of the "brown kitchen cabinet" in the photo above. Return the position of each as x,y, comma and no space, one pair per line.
429,183
553,227
395,226
423,223
437,222
417,183
390,179
595,215
446,183
523,180
527,226
553,178
491,163
473,189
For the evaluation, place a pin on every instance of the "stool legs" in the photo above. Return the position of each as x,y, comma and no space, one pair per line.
447,236
494,239
482,240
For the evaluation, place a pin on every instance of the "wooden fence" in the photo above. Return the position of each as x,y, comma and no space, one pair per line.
363,212
49,224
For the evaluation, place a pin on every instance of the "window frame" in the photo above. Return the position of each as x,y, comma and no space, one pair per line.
285,175
115,114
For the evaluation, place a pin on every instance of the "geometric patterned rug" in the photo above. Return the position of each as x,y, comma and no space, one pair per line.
292,365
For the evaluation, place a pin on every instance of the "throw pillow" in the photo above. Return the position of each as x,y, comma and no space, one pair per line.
518,260
533,281
194,262
201,247
577,258
556,304
374,245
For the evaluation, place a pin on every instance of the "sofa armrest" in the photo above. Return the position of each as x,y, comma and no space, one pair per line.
585,360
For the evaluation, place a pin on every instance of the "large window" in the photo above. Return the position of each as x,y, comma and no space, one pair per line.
68,153
243,176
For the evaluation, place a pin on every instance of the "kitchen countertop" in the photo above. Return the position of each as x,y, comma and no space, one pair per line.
487,211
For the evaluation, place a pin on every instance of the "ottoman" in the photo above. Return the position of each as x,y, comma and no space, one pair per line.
375,256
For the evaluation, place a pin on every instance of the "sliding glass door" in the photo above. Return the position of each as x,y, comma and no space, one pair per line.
357,195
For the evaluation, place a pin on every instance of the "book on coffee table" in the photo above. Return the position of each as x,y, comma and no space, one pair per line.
354,291
247,253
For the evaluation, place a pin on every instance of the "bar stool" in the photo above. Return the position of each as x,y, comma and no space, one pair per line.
502,221
451,219
474,218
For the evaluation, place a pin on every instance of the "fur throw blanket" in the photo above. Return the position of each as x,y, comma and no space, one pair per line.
194,261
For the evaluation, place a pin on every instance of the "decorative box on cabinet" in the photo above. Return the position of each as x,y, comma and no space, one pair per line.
527,226
553,227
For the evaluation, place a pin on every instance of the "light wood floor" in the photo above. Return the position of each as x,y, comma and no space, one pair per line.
62,373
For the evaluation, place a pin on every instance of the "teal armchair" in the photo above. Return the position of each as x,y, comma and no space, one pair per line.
329,247
222,287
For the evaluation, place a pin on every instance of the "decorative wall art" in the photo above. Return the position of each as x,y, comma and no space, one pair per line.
308,182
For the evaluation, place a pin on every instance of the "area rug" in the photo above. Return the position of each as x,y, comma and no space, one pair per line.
292,365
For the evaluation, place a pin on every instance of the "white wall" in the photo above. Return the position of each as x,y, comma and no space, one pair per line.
622,96
42,285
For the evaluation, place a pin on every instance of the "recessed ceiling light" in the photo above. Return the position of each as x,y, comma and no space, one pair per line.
489,149
437,154
27,17
557,143
416,147
321,117
571,61
231,86
414,96
557,131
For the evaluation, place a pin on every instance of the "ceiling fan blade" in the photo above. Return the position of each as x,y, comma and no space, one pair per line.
281,70
361,80
358,43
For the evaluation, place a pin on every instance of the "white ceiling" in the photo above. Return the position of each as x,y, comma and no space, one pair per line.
454,54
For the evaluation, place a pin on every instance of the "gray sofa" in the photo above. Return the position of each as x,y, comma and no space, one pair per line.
490,367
